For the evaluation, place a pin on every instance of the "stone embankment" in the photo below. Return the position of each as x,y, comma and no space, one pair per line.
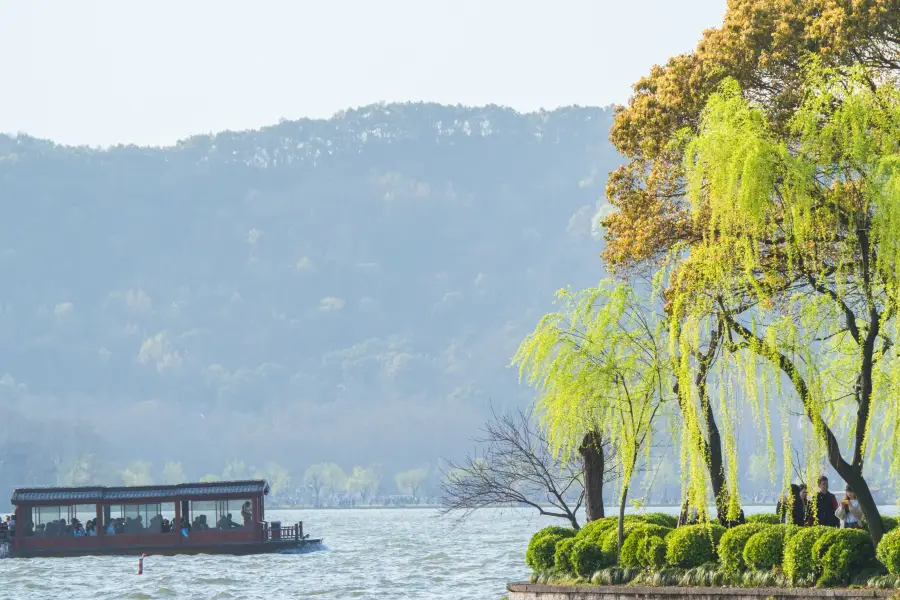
530,591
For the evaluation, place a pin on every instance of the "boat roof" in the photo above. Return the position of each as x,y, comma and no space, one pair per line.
131,495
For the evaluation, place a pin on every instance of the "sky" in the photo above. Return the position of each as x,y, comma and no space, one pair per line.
102,72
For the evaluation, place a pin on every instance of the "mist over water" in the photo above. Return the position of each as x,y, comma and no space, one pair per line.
368,553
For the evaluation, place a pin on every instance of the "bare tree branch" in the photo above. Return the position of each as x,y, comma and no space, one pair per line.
517,467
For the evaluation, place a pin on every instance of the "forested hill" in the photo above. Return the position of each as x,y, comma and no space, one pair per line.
347,289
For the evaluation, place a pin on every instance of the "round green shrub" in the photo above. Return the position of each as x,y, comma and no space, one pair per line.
662,519
561,561
765,549
555,529
839,552
890,524
768,519
541,551
609,542
693,545
596,528
629,558
652,553
798,562
888,551
731,546
586,558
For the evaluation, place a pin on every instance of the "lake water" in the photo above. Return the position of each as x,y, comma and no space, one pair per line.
368,553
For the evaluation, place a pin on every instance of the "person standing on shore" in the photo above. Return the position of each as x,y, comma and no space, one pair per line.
849,512
826,504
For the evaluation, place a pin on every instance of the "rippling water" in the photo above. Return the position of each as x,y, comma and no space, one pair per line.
383,554
370,553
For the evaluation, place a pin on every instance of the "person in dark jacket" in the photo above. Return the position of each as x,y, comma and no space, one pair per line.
791,508
826,504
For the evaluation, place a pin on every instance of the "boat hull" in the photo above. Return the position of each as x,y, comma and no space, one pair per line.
233,548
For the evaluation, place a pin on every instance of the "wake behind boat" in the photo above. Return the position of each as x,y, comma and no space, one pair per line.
225,517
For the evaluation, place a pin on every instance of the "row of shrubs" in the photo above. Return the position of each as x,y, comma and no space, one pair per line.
760,552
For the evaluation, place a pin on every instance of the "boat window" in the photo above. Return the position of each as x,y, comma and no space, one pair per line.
203,515
60,521
139,518
233,514
221,514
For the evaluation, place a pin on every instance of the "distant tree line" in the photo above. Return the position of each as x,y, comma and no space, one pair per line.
319,485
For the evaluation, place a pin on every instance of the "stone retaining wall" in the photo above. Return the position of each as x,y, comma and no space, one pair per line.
530,591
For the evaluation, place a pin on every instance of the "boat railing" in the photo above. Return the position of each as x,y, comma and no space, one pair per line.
275,531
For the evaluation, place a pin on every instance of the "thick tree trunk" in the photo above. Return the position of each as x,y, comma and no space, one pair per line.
850,473
714,461
593,468
854,478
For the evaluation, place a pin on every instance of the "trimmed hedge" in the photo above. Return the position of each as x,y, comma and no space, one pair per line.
629,557
652,553
542,547
731,546
693,545
767,518
541,551
888,551
596,544
755,554
838,552
610,540
765,549
595,529
555,529
661,519
561,560
798,562
587,557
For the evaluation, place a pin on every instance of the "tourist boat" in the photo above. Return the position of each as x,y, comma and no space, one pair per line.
226,517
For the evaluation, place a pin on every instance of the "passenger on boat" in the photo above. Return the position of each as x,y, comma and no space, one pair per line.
77,528
200,523
246,514
226,522
156,524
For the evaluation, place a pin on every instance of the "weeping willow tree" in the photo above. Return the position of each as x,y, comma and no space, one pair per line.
799,261
703,460
600,366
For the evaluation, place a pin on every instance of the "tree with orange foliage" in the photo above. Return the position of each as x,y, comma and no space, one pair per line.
761,49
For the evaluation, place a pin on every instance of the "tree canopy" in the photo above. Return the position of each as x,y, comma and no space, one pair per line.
600,364
761,175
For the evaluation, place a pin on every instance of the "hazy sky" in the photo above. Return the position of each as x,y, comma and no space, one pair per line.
150,72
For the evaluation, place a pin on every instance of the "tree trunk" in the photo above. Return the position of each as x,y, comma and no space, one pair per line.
712,448
621,521
593,467
850,473
860,487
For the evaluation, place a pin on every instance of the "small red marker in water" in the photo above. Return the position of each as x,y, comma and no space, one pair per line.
141,564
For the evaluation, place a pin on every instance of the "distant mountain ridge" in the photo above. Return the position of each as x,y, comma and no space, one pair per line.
347,289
